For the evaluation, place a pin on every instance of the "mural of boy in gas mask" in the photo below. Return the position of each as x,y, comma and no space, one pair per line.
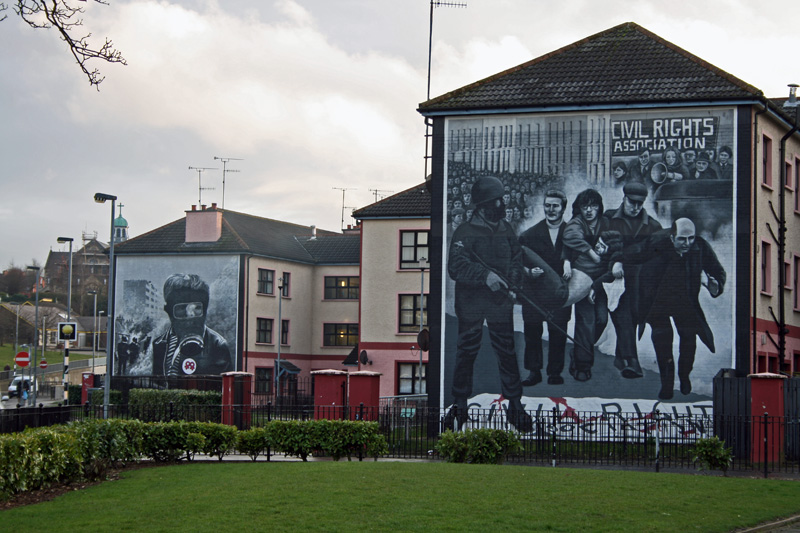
189,346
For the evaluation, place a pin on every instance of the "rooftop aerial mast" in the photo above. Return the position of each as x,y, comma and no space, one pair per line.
200,187
224,171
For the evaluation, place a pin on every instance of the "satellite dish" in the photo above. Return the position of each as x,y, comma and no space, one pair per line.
424,340
362,357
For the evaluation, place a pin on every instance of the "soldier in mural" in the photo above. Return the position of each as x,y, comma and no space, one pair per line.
485,261
674,263
546,239
189,346
633,223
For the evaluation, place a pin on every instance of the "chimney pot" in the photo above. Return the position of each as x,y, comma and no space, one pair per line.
213,205
194,207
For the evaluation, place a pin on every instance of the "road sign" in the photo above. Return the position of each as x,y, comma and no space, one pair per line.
23,359
43,364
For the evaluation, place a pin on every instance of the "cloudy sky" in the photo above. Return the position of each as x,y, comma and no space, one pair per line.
312,95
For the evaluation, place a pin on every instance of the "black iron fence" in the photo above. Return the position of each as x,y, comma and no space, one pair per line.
766,444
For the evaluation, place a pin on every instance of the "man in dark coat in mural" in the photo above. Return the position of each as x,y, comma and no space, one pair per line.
546,239
634,224
674,260
189,346
485,261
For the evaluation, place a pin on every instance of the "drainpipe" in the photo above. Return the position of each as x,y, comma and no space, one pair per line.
755,238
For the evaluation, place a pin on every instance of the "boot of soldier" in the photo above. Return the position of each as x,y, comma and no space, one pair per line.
517,416
457,416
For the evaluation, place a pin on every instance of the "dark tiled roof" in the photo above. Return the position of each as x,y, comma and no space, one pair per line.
242,233
410,203
625,64
337,249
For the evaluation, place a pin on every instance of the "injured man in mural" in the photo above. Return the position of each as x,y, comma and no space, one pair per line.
189,346
676,263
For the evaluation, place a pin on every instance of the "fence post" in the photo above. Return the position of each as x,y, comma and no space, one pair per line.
658,442
766,443
269,419
553,436
171,410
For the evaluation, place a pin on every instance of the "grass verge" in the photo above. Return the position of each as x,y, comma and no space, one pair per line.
394,496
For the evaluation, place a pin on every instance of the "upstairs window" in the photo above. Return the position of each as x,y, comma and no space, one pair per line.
413,247
264,330
766,161
266,281
285,284
341,287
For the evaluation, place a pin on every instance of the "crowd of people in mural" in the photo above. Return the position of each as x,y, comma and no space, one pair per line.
583,261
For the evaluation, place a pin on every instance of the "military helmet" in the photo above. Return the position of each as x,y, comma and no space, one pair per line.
486,189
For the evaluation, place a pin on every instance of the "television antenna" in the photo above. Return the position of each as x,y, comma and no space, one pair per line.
428,123
200,187
343,189
224,170
376,191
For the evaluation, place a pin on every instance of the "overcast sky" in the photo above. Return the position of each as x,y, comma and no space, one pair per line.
311,94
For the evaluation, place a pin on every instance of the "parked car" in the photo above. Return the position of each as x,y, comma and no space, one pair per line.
13,387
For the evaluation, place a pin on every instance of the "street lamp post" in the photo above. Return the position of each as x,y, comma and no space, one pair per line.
94,327
65,376
280,335
101,198
32,400
16,334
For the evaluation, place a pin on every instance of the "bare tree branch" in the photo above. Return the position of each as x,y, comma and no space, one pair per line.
65,17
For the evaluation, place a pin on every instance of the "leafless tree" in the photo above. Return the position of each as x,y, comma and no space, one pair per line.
65,17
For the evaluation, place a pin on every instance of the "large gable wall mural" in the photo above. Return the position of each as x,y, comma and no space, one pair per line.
175,316
646,291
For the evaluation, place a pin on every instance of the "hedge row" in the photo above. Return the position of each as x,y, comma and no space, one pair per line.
155,405
40,457
333,438
481,446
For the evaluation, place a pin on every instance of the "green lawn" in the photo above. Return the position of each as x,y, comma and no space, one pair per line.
396,496
7,355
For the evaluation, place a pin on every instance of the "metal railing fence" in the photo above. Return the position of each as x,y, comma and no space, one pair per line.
765,444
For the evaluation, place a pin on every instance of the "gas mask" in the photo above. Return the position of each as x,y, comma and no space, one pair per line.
189,324
494,211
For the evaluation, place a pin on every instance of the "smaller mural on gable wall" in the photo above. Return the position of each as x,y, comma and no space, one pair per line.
175,316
